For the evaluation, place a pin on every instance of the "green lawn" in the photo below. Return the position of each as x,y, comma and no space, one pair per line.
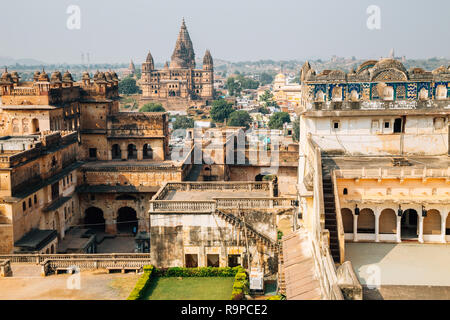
190,288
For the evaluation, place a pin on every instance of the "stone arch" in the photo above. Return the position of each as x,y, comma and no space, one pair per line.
432,222
409,223
132,151
94,219
347,220
116,152
147,151
388,222
127,220
366,221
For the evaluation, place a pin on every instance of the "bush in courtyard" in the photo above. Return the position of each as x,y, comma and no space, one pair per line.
142,284
198,272
240,286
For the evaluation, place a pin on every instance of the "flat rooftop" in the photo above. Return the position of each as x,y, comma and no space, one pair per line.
388,166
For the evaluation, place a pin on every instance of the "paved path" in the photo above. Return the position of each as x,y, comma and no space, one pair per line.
405,264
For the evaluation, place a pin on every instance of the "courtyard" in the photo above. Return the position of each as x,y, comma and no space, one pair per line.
94,285
190,288
404,270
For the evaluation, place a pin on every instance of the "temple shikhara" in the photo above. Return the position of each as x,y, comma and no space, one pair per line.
179,84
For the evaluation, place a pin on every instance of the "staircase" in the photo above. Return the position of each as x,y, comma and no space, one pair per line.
194,173
330,213
251,232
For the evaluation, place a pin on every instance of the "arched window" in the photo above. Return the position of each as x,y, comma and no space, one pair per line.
116,153
441,92
337,94
132,151
147,152
354,96
35,125
320,96
15,126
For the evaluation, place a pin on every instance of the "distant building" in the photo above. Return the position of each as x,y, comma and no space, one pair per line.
179,84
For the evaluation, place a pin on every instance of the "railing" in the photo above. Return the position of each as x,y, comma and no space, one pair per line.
39,258
182,206
250,203
340,226
394,173
50,265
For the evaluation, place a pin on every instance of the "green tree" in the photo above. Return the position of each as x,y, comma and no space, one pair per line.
183,122
266,96
239,118
278,119
263,110
266,78
128,86
152,107
221,110
234,87
296,129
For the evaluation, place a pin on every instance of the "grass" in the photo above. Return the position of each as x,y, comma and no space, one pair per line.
190,288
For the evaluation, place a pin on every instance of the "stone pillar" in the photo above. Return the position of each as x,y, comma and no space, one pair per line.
399,229
377,224
111,226
140,154
355,228
443,220
109,154
124,153
420,227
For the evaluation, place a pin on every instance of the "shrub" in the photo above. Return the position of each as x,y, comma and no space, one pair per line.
241,285
198,272
141,284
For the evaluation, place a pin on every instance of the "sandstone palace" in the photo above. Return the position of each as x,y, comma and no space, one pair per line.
180,83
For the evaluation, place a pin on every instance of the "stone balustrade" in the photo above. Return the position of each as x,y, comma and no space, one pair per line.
393,173
50,265
39,258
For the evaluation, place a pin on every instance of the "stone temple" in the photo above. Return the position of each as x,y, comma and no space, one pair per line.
179,84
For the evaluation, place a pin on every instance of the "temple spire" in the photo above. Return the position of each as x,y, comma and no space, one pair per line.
183,55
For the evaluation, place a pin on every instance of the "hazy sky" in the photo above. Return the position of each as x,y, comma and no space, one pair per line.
236,30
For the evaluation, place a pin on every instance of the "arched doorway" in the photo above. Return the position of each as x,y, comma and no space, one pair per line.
93,219
127,220
132,151
409,224
388,222
432,222
147,152
366,221
347,220
116,152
